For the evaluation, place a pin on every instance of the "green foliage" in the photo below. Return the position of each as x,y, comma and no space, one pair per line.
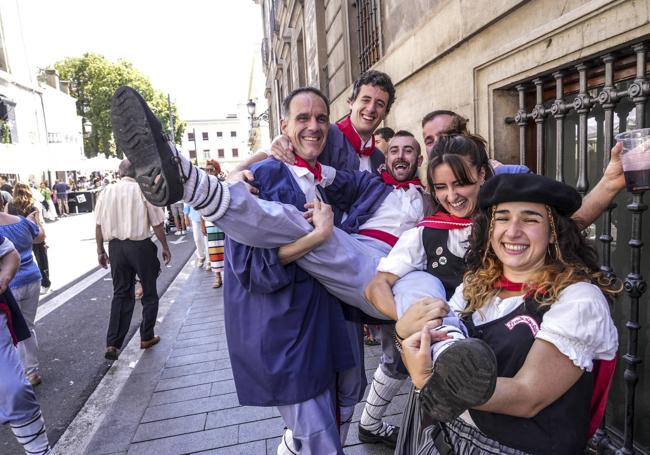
93,80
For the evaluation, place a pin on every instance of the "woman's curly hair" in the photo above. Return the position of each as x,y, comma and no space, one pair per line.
23,201
570,259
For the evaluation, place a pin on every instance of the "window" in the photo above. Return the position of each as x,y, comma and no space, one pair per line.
233,134
205,135
192,154
220,153
219,134
235,153
190,136
566,122
206,154
369,33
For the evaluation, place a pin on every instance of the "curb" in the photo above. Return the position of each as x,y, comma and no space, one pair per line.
89,419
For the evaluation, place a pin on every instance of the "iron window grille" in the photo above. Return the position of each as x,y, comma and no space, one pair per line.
369,31
567,120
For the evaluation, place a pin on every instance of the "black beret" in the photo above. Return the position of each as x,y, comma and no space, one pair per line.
529,188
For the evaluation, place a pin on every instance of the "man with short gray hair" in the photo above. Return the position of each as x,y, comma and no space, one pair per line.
123,219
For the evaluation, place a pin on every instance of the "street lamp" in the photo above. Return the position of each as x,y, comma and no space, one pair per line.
264,116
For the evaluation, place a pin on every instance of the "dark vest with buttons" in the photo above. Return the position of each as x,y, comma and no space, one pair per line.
441,262
560,428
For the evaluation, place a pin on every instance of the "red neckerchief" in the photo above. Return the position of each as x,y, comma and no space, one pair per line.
390,180
316,170
442,220
353,137
507,285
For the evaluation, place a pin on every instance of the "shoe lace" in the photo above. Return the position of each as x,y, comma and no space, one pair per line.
386,429
176,158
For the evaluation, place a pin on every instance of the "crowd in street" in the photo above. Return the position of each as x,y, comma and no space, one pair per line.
478,278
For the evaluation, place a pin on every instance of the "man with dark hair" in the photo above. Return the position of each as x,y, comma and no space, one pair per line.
382,136
131,252
441,122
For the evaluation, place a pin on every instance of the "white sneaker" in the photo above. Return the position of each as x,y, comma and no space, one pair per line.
200,262
178,233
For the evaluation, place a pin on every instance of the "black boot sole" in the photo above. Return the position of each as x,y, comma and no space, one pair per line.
464,376
139,135
368,437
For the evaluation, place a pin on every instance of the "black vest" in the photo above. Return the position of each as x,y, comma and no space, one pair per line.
441,262
560,428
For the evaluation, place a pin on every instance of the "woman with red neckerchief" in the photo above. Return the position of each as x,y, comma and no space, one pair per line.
534,293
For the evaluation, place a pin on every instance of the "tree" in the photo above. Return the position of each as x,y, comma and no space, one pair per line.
93,80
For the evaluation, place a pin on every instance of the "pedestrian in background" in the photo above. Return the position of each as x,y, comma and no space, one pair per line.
61,189
49,211
176,210
215,237
124,219
193,219
26,285
23,205
18,405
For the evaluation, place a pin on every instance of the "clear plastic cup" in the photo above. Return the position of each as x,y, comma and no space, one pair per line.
635,158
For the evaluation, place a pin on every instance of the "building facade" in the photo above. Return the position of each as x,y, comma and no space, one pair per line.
222,139
40,131
547,82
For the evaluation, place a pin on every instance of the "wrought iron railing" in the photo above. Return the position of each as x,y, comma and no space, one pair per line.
576,111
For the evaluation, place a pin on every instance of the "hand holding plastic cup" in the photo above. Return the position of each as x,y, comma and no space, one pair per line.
635,158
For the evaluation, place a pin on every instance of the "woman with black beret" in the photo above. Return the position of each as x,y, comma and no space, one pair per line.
533,292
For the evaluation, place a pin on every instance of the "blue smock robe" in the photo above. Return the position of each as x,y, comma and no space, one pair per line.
286,334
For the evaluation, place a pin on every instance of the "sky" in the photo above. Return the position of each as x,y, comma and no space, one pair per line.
198,51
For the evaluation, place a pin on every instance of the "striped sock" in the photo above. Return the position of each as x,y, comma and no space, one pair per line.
382,391
31,435
205,193
453,332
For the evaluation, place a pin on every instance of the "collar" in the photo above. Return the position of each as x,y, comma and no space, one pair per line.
354,139
442,220
316,170
390,180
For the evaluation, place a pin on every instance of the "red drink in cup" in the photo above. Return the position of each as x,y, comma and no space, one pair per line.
635,159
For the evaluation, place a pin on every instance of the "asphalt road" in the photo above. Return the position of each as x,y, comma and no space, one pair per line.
72,342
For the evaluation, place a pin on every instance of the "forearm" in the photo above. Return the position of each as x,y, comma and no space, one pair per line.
511,397
380,293
259,156
99,239
294,251
595,203
159,231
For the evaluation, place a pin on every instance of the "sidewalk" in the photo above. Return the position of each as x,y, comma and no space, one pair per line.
180,397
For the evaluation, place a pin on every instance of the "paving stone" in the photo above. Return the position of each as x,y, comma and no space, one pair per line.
185,408
197,358
170,427
367,449
250,448
179,352
187,443
261,429
232,416
200,333
223,387
203,326
212,339
184,394
203,320
184,370
195,379
272,445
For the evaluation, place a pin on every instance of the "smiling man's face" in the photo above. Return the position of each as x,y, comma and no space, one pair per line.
306,125
403,158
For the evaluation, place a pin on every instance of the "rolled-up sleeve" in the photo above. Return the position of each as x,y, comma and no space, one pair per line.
407,255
